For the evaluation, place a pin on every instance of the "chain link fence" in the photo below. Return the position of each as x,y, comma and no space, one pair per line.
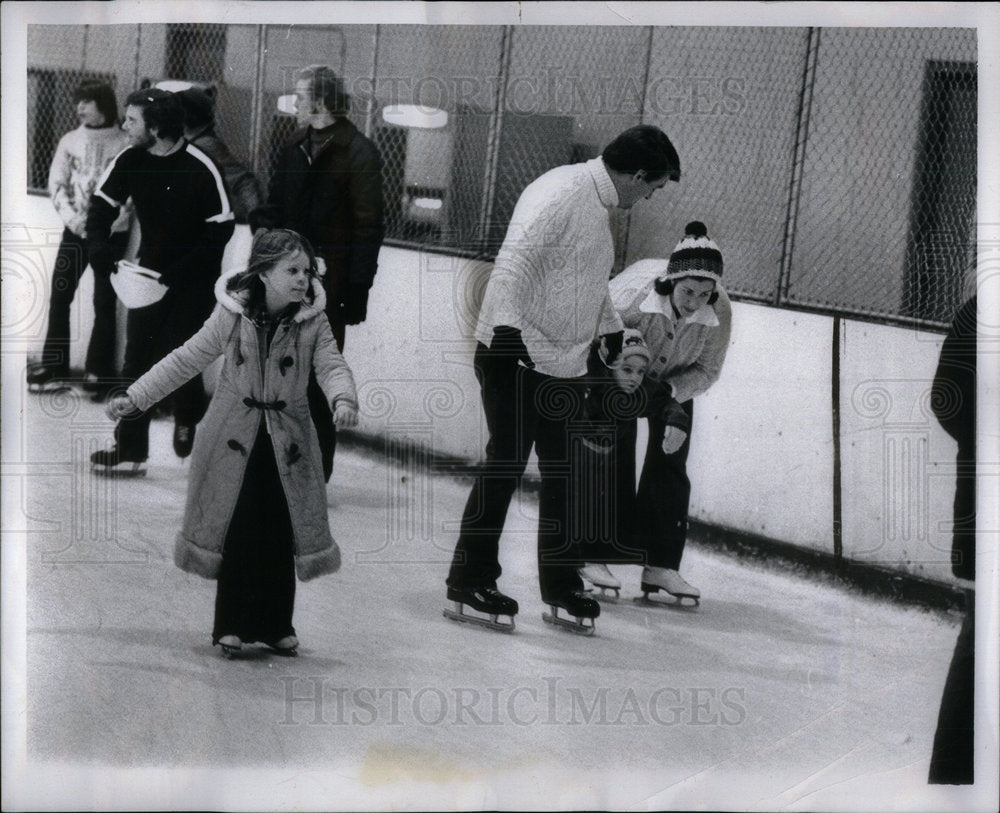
836,168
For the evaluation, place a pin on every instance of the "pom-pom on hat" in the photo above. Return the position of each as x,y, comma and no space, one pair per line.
695,255
633,344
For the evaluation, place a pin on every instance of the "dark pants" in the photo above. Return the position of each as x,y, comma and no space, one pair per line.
151,333
319,407
523,409
602,496
255,598
71,262
952,760
663,498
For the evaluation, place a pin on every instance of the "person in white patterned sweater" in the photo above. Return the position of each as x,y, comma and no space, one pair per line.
80,157
546,301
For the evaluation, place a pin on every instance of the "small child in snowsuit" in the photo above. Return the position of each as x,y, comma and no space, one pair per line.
256,513
603,487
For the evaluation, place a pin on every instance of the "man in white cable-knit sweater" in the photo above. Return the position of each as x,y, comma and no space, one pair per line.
79,160
545,303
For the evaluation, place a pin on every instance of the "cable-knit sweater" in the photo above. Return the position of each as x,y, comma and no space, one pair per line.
550,278
79,160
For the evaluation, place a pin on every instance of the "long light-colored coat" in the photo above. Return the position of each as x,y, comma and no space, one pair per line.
226,435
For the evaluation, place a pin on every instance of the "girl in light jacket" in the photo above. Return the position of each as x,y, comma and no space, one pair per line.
685,316
256,513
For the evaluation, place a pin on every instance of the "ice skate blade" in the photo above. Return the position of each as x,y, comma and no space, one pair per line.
118,471
576,625
230,652
609,595
490,623
51,388
678,599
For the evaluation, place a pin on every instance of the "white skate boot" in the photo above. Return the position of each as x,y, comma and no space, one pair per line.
655,579
599,576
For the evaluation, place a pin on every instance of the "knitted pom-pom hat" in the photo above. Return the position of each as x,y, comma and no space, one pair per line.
695,255
634,345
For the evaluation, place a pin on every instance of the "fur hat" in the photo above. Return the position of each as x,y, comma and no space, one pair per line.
633,344
695,255
199,106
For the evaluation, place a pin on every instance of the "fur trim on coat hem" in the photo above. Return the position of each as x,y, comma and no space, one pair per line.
311,565
193,559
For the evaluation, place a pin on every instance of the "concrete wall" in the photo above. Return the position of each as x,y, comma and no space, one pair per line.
762,459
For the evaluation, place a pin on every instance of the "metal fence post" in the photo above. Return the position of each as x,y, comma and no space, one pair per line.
625,227
493,138
798,163
372,100
138,46
257,102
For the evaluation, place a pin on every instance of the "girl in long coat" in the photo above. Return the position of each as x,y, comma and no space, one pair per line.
256,512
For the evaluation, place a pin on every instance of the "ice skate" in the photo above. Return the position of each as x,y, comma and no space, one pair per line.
579,605
183,439
116,463
231,645
44,378
486,600
287,646
655,579
97,388
599,576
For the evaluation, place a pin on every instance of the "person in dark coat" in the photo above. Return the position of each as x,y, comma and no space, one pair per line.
953,400
256,514
327,185
199,129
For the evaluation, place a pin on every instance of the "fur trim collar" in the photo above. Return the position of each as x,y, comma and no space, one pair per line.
237,301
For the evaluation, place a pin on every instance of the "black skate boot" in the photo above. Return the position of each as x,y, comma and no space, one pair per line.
183,439
46,378
485,599
117,462
579,605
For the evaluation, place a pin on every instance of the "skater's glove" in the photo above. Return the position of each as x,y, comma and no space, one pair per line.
674,415
345,415
673,439
507,343
120,406
354,303
613,346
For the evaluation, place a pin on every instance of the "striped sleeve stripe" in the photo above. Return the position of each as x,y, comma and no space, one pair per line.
99,189
227,213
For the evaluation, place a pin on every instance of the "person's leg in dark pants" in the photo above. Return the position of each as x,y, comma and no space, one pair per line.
101,349
141,335
71,260
557,401
663,498
953,756
508,403
255,598
190,306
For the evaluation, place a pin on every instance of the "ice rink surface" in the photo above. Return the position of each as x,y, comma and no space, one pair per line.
778,692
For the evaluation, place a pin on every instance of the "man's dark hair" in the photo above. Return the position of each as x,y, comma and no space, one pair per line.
101,94
646,148
161,111
328,87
